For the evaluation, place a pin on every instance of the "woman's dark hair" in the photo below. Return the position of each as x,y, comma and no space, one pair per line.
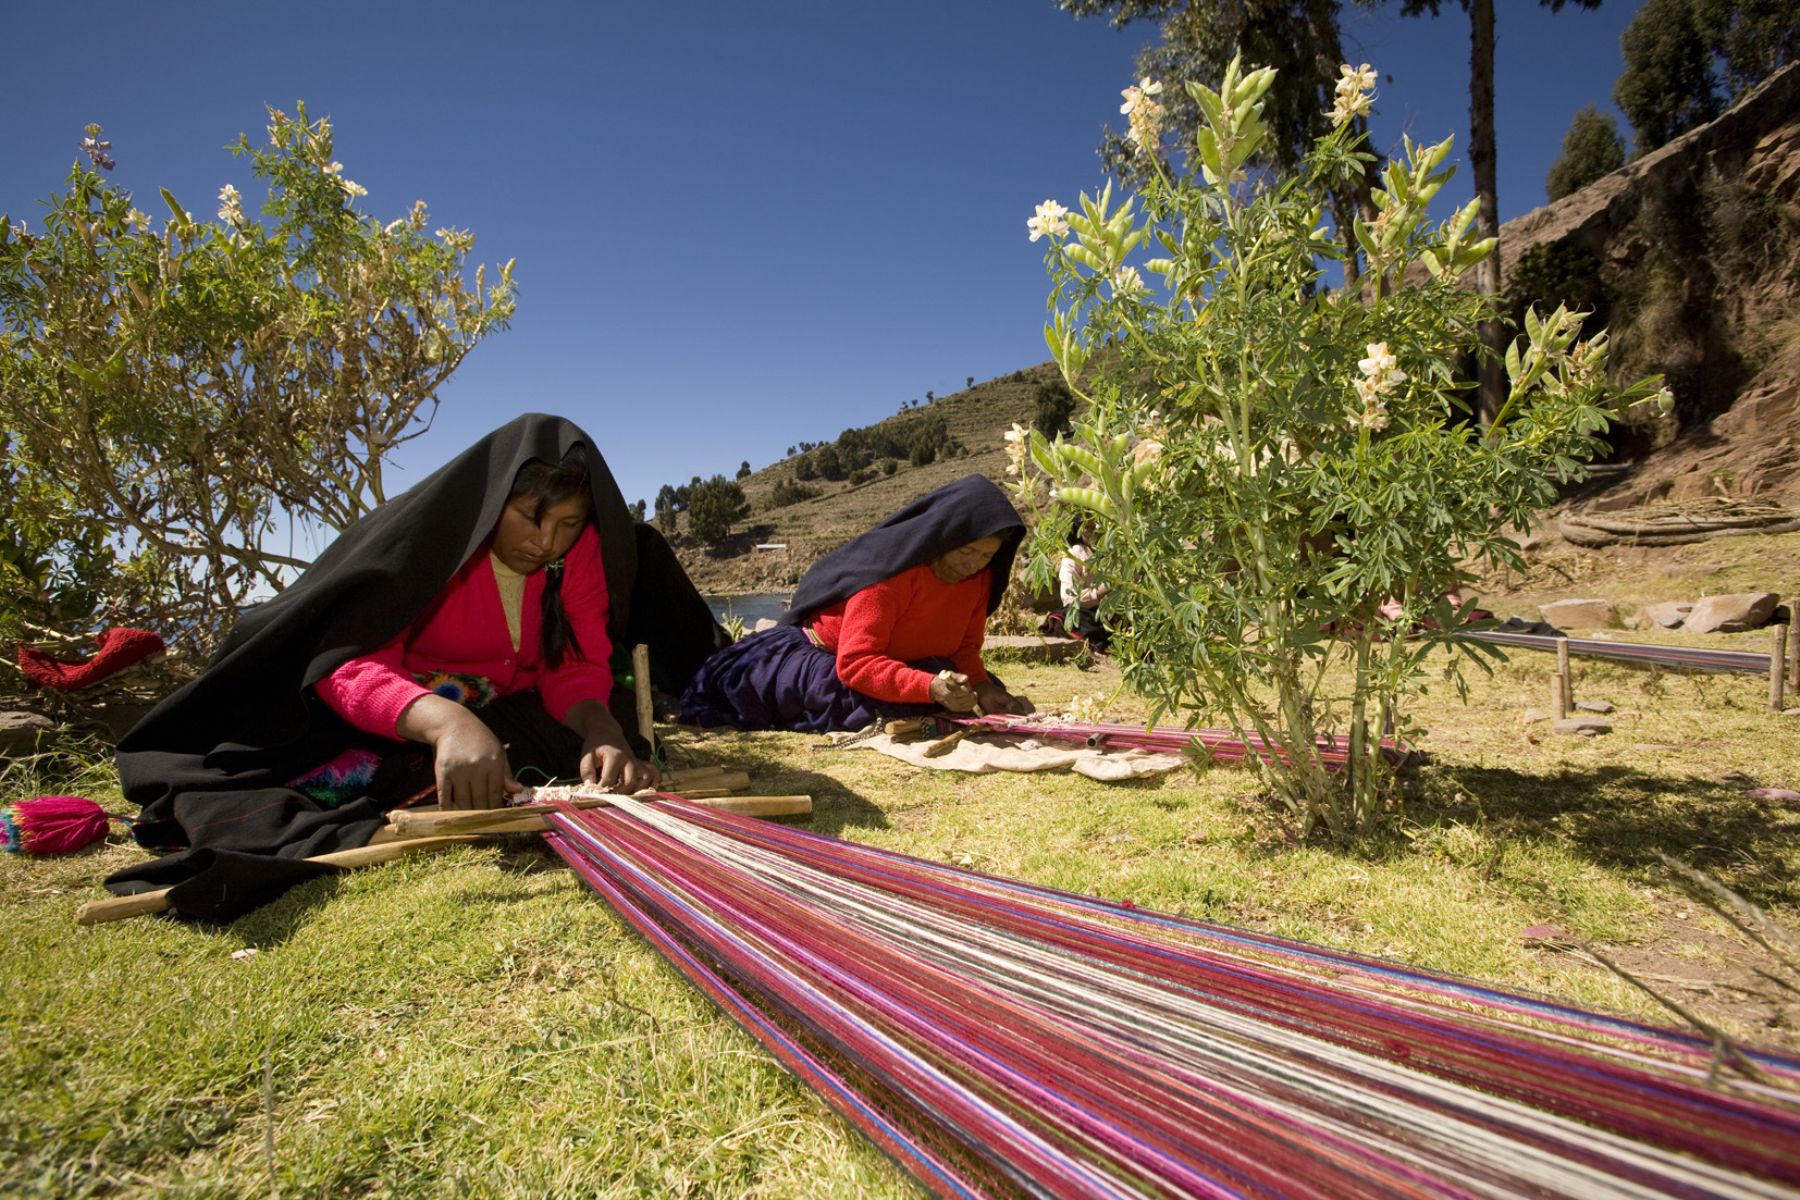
546,484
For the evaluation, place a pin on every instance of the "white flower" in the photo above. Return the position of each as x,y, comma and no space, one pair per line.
1373,417
333,168
1016,448
230,207
1126,280
1379,362
1049,221
1355,93
353,188
1368,389
416,218
1143,114
139,218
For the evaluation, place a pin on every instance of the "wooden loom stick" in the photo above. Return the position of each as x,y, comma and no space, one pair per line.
117,908
412,823
640,684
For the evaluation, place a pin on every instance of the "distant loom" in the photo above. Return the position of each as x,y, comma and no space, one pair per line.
997,1038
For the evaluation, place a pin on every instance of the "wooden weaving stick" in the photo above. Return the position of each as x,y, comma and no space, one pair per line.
409,823
117,908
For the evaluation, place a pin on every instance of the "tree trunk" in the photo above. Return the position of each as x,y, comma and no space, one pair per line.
1487,220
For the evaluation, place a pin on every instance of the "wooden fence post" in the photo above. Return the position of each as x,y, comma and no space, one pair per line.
1562,669
1778,667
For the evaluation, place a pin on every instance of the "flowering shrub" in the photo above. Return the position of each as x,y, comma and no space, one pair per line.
1275,474
173,393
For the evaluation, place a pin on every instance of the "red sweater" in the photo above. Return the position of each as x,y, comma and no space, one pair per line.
464,633
913,615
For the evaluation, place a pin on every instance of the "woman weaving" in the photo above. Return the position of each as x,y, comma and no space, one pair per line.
452,640
889,624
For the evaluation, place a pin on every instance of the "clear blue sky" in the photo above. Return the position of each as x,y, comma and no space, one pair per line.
738,225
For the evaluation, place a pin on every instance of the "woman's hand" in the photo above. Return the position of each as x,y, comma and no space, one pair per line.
472,770
991,698
951,690
617,769
605,758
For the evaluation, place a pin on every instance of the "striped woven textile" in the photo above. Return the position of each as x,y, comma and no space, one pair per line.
1000,1039
1220,745
1687,658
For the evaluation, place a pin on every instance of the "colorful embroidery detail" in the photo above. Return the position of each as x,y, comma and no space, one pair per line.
345,777
470,691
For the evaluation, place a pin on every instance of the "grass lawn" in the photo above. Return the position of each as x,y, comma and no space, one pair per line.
477,1022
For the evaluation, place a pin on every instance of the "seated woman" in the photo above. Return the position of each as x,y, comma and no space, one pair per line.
1080,595
452,640
889,624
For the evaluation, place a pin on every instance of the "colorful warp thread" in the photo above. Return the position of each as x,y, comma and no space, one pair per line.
1220,745
997,1038
1690,658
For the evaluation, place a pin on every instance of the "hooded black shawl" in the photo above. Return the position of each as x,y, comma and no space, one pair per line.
936,523
209,765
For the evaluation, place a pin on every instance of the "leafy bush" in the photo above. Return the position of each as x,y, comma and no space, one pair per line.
789,492
1262,461
712,506
173,398
1055,405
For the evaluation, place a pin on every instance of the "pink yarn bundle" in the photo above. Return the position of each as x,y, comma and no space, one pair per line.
51,825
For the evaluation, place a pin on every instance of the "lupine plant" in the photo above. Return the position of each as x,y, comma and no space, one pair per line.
1274,474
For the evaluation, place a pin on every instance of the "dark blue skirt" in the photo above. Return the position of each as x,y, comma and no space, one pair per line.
778,679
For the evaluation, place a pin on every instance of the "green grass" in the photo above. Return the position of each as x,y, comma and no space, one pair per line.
478,1023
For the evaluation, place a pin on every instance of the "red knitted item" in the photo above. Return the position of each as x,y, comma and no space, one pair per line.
118,649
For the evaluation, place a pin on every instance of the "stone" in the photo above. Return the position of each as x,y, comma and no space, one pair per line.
19,731
1533,715
1594,706
1580,614
1582,726
1667,615
1731,614
763,623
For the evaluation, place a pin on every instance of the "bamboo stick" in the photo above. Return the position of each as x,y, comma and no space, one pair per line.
408,823
117,908
1568,681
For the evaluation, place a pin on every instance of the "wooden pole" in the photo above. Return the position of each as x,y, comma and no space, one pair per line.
408,823
646,706
1778,667
96,912
1559,697
1562,668
1794,642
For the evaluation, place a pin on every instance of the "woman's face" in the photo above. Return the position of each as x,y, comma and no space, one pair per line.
524,544
964,561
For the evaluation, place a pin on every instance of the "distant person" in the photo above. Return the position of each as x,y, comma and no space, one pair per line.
889,624
458,637
1080,595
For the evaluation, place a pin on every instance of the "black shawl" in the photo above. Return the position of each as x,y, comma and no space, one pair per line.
210,763
935,524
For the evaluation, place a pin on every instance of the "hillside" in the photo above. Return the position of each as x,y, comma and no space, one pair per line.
977,419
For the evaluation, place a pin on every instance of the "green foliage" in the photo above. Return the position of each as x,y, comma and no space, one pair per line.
1668,86
1055,405
171,397
1262,461
712,506
1559,274
789,492
743,471
1592,148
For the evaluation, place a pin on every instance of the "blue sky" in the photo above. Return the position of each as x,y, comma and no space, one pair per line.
738,226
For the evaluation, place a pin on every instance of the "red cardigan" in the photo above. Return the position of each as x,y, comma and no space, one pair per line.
464,633
910,616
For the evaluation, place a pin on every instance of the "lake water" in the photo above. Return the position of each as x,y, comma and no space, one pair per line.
751,607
